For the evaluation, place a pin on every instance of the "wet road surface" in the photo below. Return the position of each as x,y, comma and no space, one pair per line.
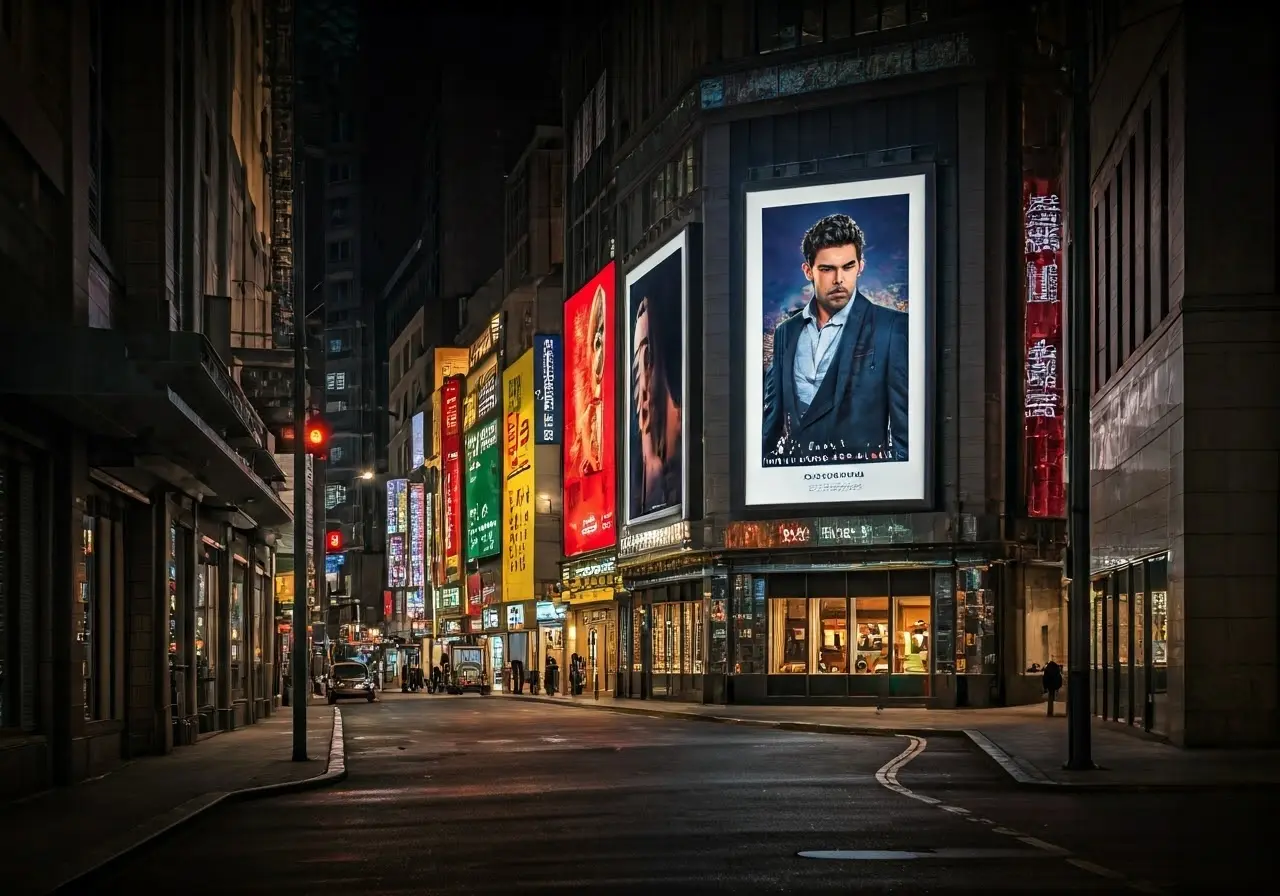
471,795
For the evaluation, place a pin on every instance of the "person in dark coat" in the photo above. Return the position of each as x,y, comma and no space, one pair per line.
1052,681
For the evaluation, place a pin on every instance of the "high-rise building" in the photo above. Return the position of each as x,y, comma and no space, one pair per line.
139,495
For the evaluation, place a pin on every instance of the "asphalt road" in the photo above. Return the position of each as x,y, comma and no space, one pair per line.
474,795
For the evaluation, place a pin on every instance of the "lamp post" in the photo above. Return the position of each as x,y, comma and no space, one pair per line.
1079,731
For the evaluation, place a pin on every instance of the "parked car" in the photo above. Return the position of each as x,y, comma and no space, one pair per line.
350,679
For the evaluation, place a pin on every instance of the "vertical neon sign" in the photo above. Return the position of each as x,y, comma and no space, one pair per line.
1044,422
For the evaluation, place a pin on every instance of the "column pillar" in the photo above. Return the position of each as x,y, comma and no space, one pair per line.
249,661
161,690
194,553
62,658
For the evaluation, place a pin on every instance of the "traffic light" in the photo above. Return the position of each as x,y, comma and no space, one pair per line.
316,437
334,542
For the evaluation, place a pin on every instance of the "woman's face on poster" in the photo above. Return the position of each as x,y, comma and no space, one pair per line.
597,336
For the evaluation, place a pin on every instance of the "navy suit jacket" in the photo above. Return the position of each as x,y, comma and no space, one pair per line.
862,398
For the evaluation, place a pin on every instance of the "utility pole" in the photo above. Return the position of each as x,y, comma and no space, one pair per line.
1079,720
301,658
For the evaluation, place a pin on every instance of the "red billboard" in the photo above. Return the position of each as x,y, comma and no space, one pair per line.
1044,422
589,461
451,474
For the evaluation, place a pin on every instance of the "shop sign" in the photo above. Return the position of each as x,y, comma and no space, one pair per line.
481,400
451,626
843,531
672,535
549,612
591,595
547,390
486,342
448,599
491,619
605,566
515,617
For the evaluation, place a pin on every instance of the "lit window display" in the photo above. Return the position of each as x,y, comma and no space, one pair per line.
871,618
835,635
789,625
911,635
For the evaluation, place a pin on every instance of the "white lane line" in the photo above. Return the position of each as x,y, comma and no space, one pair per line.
887,776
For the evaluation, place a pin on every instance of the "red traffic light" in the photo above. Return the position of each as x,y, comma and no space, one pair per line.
316,437
333,541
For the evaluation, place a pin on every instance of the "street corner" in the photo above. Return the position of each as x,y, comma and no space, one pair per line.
335,770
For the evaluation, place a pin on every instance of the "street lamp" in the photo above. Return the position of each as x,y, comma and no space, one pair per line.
367,475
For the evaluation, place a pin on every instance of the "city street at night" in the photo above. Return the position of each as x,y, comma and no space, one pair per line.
471,795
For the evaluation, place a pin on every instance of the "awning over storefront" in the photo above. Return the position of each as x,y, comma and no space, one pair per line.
89,378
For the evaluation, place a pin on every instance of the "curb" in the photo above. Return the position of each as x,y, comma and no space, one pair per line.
165,824
775,724
1027,777
1023,774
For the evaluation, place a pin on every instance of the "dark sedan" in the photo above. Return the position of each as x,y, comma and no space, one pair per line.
350,680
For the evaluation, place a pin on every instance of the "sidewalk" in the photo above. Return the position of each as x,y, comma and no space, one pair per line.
55,836
1027,745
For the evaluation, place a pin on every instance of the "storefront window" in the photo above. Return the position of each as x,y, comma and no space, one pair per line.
87,582
661,655
911,635
833,620
637,633
1157,579
975,623
237,632
789,627
672,619
749,624
719,625
206,632
260,633
871,616
943,648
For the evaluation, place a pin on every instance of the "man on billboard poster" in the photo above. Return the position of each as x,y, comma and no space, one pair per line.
656,467
836,388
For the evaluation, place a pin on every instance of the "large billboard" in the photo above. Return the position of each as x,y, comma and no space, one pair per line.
417,534
398,533
589,462
1044,429
483,489
837,340
657,301
518,478
481,400
451,475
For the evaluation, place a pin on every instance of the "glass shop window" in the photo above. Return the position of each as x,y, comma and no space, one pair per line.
789,627
833,623
871,618
911,635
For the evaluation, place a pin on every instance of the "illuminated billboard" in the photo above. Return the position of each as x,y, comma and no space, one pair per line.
417,441
657,303
451,475
1044,429
398,533
589,461
482,491
837,308
548,390
518,478
417,534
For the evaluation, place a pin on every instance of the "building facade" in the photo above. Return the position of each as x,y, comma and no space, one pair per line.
735,543
139,498
1183,392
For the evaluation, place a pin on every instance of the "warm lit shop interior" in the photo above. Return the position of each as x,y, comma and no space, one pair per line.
1129,649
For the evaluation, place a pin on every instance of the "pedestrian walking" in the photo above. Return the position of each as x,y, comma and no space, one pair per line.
1051,678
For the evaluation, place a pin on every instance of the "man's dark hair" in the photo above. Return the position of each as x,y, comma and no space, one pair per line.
829,232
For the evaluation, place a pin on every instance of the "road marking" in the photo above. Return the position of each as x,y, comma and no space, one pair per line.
887,776
894,855
501,740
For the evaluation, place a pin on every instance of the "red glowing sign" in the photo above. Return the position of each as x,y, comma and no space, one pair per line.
589,462
451,473
1044,421
333,541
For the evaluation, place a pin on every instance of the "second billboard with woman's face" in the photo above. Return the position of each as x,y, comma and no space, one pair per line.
589,462
657,310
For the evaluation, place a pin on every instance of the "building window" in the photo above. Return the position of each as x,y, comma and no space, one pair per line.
336,453
206,630
871,616
339,172
334,494
86,615
340,291
236,635
911,635
341,129
335,407
339,251
787,24
337,346
340,211
833,627
789,623
335,381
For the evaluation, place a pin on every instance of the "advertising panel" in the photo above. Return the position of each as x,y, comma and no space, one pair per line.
417,533
589,460
547,393
451,475
837,342
418,441
1044,423
481,399
398,533
518,478
449,362
483,488
657,293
